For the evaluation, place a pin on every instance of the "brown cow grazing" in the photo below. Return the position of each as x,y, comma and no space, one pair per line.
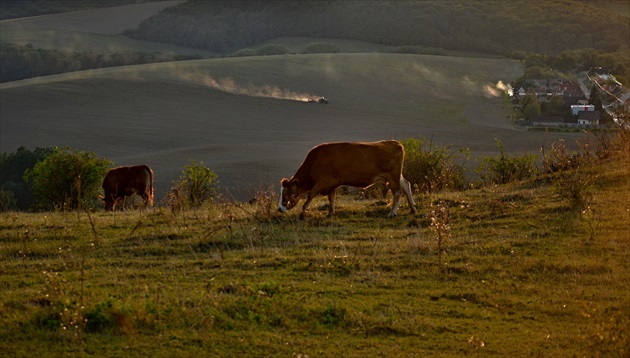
122,182
331,165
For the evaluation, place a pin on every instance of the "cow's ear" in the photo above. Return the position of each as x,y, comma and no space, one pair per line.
101,197
284,182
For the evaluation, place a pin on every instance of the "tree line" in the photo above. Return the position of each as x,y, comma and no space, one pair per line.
11,9
20,62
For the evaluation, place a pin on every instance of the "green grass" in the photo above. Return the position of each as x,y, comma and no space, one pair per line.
523,275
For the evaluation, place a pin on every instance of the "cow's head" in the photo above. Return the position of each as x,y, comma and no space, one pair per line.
289,194
108,201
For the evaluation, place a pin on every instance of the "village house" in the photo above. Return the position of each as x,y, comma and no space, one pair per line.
588,118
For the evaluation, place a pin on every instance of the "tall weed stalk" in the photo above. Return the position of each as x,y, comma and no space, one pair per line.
440,225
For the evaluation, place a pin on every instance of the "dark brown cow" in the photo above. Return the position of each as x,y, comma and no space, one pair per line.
122,182
330,165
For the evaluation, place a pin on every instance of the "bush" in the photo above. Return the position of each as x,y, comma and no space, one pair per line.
432,168
67,179
503,169
7,201
195,186
574,180
321,47
12,168
559,158
245,52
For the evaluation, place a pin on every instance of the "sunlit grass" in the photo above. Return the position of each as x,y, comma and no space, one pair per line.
522,274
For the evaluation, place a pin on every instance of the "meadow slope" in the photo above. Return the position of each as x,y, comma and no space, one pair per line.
97,30
210,110
521,274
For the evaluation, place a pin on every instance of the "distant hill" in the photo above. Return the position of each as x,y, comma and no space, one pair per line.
497,27
585,33
79,40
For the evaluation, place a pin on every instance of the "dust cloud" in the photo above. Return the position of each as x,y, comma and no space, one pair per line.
229,85
497,89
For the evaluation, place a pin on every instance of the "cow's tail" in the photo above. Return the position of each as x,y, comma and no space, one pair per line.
150,184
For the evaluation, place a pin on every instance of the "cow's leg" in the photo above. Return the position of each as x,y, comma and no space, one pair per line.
317,189
406,187
115,200
395,187
396,193
145,199
309,198
331,202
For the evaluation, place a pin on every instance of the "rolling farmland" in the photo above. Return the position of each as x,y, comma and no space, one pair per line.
237,116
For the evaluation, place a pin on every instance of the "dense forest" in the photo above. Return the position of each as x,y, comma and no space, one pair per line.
495,27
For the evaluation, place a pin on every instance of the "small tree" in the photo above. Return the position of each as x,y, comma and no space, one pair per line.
195,186
531,106
67,179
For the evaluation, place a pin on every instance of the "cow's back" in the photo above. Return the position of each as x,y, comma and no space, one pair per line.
353,164
129,179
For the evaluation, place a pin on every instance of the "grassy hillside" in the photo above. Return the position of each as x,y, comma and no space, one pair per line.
166,114
95,30
521,274
495,27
